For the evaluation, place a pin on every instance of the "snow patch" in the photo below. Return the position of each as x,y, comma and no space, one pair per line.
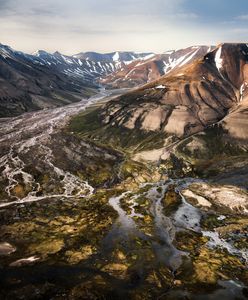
189,58
149,56
169,52
160,86
218,59
242,89
221,218
116,56
209,49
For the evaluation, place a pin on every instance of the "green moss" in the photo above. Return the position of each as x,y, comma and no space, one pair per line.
89,125
213,152
210,265
159,190
210,221
241,243
171,200
130,168
97,175
189,241
87,121
229,224
47,247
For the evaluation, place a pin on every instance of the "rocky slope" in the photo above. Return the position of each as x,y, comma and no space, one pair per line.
191,121
189,98
81,220
88,66
26,84
151,68
44,80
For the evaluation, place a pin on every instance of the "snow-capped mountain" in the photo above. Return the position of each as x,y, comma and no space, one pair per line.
210,89
117,56
84,66
27,83
89,65
41,80
151,67
45,79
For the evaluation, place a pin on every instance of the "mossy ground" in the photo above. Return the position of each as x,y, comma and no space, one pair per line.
215,155
89,125
70,236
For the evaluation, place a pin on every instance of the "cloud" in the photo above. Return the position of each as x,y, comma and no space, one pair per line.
182,16
106,25
42,19
242,17
239,30
4,4
75,7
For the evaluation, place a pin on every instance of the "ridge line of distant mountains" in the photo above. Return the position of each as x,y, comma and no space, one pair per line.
44,80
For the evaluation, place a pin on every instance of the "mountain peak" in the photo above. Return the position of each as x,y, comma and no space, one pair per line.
40,53
57,53
116,56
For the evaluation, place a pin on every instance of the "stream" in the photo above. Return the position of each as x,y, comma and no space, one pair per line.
33,131
155,248
185,218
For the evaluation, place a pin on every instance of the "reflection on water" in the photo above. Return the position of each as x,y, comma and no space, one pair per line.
89,257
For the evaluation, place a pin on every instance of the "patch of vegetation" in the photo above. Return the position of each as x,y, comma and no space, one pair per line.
171,200
211,153
89,125
189,241
207,265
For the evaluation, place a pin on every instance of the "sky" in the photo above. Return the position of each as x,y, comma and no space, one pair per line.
73,26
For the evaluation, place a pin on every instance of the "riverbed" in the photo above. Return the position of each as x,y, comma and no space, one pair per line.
73,241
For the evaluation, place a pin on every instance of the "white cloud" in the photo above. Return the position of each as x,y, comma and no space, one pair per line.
242,18
104,25
77,25
239,30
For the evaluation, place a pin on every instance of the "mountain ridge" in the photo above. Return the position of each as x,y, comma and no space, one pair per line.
151,68
210,90
44,80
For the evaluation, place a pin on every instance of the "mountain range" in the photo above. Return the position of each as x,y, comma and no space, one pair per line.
180,92
190,97
197,110
141,72
45,80
139,190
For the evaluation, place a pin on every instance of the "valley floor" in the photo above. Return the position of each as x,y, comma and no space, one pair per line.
80,221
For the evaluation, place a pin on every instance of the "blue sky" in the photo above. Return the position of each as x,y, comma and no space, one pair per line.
71,26
217,10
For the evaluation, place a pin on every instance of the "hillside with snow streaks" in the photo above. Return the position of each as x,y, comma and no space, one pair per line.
89,65
151,67
45,80
29,83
